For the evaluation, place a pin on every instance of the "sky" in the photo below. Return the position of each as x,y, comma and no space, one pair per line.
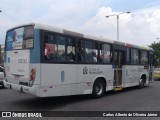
140,27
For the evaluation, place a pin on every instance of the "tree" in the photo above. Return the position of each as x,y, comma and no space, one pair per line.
156,47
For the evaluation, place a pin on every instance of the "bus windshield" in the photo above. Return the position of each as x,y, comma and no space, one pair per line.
20,38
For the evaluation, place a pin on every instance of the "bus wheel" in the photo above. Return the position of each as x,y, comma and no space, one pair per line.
142,82
98,89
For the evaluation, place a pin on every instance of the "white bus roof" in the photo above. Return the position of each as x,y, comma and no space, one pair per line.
77,34
64,31
69,32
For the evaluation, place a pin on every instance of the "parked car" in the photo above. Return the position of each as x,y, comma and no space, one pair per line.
2,75
157,74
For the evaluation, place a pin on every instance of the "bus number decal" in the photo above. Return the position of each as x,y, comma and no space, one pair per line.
92,71
22,61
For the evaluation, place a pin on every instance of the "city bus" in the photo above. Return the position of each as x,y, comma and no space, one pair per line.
47,61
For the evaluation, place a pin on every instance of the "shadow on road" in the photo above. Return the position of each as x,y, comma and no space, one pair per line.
53,103
50,103
129,89
157,79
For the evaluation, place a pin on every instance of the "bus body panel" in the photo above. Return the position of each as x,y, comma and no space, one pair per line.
59,75
132,75
17,66
64,79
89,73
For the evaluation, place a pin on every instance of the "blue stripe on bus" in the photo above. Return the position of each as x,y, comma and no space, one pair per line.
62,76
35,52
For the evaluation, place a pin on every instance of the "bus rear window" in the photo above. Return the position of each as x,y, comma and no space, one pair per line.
20,38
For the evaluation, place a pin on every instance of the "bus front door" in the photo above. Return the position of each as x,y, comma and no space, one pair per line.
118,57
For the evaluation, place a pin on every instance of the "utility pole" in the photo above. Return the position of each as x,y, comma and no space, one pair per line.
117,16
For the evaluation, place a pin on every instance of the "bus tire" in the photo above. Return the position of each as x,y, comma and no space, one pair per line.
98,88
142,82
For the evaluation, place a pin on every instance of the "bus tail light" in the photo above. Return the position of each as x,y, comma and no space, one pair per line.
32,77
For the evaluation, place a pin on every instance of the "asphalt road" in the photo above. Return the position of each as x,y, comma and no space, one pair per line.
130,99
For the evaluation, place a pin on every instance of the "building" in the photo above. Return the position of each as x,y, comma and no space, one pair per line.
1,54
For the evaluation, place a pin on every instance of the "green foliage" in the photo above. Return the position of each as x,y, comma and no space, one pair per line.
156,48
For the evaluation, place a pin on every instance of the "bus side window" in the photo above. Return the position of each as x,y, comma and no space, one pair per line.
50,47
61,56
144,57
128,56
80,51
105,53
134,56
91,51
70,46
